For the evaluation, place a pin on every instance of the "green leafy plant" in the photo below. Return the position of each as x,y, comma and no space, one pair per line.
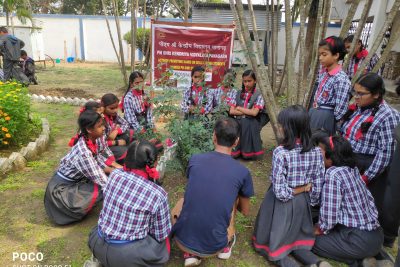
16,124
140,35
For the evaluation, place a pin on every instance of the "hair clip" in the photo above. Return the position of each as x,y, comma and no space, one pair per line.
82,109
330,41
331,142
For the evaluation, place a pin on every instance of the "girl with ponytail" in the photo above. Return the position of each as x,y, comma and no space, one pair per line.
369,125
134,223
77,185
138,111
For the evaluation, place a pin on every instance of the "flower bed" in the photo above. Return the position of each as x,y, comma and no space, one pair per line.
17,126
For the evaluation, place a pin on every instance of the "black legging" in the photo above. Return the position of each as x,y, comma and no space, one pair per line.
385,189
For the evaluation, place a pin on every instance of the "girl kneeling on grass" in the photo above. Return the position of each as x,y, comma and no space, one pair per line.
77,185
348,229
134,223
117,128
284,224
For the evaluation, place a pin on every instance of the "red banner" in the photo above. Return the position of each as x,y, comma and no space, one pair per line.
180,46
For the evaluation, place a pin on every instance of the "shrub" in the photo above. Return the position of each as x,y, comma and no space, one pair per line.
140,35
193,136
16,126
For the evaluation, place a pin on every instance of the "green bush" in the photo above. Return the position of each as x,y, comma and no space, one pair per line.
16,125
140,35
194,135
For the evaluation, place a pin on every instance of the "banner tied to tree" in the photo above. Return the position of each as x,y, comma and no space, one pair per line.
178,47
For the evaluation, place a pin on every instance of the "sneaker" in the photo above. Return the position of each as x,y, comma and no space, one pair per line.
93,262
191,260
227,251
369,262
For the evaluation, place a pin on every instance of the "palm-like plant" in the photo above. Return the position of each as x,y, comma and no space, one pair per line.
21,8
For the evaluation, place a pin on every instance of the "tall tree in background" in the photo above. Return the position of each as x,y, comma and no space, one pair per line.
21,8
45,6
90,7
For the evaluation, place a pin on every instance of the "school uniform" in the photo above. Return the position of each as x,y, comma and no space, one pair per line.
76,186
137,111
374,149
134,223
348,218
357,60
284,223
123,133
198,97
250,144
330,99
223,96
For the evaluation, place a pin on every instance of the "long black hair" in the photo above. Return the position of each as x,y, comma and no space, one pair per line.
350,38
91,105
109,99
141,153
337,149
295,123
375,85
87,120
245,74
132,77
335,45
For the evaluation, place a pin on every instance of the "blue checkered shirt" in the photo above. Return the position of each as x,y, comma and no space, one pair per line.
378,141
111,123
133,208
291,169
259,103
221,96
81,163
346,200
370,66
187,102
335,91
133,107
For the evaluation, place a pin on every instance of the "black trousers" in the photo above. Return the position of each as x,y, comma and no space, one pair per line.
348,245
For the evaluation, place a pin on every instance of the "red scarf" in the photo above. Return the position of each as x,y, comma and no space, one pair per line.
360,55
359,135
92,147
109,120
73,140
150,172
196,91
249,95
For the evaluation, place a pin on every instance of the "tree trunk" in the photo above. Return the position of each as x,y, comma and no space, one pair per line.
360,27
187,7
134,7
349,18
326,17
110,33
121,49
144,37
394,36
255,32
263,82
314,54
378,40
291,94
274,44
310,35
301,78
239,32
7,18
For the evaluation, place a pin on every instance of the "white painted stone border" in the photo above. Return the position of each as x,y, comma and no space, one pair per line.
60,100
18,160
169,154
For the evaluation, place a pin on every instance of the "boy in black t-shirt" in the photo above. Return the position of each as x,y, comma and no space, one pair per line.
217,186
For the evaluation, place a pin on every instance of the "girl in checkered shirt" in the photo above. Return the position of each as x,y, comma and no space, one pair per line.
196,99
331,96
77,185
369,127
248,108
117,130
138,111
348,229
284,224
